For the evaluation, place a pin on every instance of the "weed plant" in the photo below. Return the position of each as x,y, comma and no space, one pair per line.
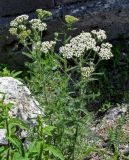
60,82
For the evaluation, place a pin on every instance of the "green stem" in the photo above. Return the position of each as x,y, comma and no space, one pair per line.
74,143
8,134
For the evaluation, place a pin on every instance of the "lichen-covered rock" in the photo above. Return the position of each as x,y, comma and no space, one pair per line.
25,106
3,136
111,119
115,122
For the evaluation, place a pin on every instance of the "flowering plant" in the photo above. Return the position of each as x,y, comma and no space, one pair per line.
60,80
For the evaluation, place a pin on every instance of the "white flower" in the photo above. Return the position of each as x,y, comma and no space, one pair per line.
22,18
67,51
13,31
38,24
13,23
44,46
105,51
35,21
106,45
96,49
47,45
19,20
86,71
78,45
99,35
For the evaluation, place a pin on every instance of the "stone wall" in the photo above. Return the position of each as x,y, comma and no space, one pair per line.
110,15
10,8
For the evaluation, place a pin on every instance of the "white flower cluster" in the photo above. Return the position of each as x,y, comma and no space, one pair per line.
19,20
105,51
87,41
38,24
47,45
86,71
100,35
44,46
78,45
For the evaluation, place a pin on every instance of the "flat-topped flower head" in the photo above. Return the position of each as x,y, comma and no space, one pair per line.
13,31
85,42
35,21
37,24
67,51
13,23
105,51
87,71
106,45
100,35
44,47
19,20
78,45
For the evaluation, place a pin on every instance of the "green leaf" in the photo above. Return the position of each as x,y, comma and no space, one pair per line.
115,156
3,149
89,150
9,106
15,74
28,55
18,122
48,130
17,143
126,157
17,156
34,148
55,151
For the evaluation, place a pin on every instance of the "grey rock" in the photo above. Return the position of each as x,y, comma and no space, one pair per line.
111,121
111,15
3,136
9,8
24,107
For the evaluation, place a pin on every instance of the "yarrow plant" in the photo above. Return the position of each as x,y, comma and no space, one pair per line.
61,87
85,42
78,45
105,51
87,71
45,46
19,20
37,24
100,35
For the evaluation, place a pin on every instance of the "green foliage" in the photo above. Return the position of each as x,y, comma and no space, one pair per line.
7,73
114,79
63,97
43,14
70,20
62,85
38,147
